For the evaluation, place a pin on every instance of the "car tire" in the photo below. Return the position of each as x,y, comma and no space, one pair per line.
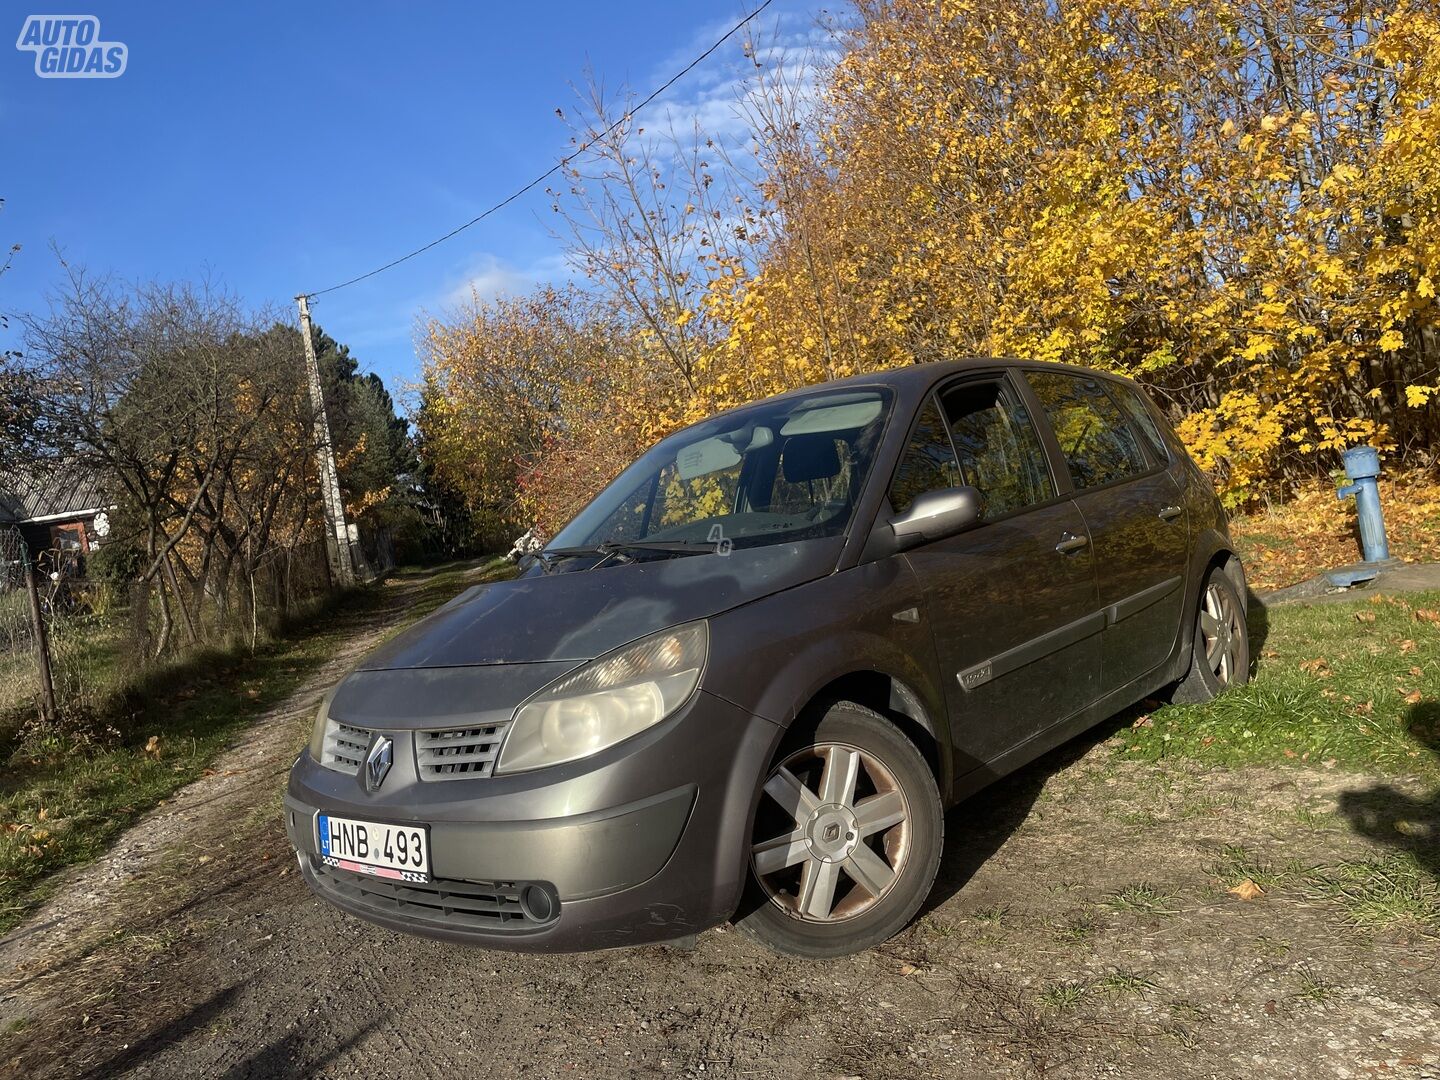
1220,652
847,838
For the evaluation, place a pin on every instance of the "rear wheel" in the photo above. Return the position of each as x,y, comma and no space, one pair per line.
1221,653
847,838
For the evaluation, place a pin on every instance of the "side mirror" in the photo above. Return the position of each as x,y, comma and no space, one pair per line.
936,515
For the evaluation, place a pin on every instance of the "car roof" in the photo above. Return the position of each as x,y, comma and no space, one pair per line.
912,380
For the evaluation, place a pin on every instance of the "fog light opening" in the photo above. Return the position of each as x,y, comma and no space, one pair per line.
538,904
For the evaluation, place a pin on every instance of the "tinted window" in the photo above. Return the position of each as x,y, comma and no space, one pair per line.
1135,406
928,463
1000,454
1099,445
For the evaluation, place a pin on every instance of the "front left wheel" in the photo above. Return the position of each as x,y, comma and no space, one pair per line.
847,838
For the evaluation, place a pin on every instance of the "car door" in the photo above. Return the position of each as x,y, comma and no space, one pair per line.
1134,510
1011,602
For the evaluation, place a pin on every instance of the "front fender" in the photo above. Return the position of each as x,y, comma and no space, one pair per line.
773,657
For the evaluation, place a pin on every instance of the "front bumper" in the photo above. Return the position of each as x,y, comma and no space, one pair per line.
644,842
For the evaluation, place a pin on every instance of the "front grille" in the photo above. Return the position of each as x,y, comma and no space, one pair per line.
460,753
345,746
474,905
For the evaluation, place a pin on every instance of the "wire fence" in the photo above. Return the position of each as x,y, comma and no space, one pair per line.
101,636
19,669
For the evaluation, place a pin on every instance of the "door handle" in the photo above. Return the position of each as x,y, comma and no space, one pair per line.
1070,542
1169,513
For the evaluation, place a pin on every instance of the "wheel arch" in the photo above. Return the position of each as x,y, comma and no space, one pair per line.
895,700
1213,551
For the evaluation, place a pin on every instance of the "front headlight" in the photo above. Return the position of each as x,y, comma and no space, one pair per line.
317,730
607,700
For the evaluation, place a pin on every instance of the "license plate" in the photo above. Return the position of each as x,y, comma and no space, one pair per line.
397,852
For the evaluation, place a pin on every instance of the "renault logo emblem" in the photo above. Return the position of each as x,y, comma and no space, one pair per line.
378,761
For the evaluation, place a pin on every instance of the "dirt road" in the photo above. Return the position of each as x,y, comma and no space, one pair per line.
1082,927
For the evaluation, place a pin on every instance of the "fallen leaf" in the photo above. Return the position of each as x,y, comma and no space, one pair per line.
908,969
1319,667
1207,740
1330,762
152,748
1143,721
1427,615
1407,646
1270,1008
1364,616
1413,698
1417,672
1247,890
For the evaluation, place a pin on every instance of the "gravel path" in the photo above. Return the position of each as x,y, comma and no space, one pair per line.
1082,926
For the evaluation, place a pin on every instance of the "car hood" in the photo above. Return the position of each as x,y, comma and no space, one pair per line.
578,615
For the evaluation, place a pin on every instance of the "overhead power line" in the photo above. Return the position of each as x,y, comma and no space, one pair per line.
548,173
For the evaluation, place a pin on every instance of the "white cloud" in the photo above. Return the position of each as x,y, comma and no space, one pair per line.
487,276
793,48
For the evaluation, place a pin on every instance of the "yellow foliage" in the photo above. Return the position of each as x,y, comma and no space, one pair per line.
1235,204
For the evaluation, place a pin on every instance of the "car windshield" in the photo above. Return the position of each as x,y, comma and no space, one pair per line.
772,473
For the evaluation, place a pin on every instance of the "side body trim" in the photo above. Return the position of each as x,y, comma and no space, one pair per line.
1061,637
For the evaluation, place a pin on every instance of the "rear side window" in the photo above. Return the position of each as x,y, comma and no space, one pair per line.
1135,406
1099,445
1000,453
928,463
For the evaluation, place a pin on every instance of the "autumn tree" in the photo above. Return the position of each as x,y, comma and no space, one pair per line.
1227,200
1235,201
195,413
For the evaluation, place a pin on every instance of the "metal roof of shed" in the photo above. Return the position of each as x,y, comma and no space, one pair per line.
48,491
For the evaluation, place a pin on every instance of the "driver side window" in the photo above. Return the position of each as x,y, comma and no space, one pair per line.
928,463
1000,453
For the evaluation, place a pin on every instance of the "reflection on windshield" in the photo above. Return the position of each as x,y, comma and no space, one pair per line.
773,473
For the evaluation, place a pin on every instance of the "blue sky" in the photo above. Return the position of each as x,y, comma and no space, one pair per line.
283,147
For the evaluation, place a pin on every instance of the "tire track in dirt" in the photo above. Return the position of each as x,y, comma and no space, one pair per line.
91,902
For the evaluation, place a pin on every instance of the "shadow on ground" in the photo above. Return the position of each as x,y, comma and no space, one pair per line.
289,1057
977,828
1393,818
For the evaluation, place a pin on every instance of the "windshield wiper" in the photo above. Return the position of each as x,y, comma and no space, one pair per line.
611,548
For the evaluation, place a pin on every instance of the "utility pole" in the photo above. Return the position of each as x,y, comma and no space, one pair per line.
338,542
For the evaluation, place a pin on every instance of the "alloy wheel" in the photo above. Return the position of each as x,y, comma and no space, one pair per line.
1223,632
833,833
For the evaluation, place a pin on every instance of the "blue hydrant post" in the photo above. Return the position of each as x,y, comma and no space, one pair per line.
1362,466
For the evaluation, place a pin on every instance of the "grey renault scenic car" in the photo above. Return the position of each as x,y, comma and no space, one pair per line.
748,679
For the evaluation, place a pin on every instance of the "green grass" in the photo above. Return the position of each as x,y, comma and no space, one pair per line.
1144,900
1314,988
1236,864
1120,984
1062,995
61,808
1382,892
1077,929
1353,684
